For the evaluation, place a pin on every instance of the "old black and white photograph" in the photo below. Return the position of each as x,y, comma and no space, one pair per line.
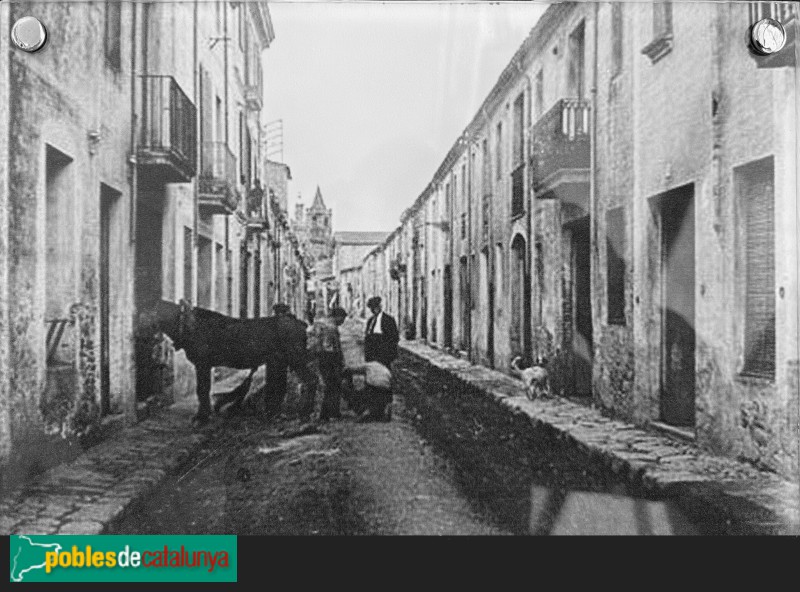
399,268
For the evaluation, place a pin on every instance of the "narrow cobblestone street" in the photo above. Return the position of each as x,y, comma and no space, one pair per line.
465,453
339,478
349,478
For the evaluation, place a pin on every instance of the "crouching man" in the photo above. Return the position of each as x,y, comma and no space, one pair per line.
374,401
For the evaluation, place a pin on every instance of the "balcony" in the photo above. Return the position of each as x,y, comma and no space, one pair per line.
256,210
785,13
167,149
560,151
217,183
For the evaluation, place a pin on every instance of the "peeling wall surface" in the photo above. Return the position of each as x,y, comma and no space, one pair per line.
93,231
68,145
669,126
5,408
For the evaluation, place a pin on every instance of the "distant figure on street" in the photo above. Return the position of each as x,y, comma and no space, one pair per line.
325,346
381,337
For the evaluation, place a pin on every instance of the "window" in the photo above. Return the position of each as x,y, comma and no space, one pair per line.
662,19
519,130
113,34
754,185
518,147
616,37
463,226
498,151
486,214
540,287
487,168
538,106
577,49
241,22
662,32
220,129
615,264
241,144
187,263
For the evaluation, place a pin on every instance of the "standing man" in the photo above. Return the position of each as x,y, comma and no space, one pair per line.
382,337
325,345
380,345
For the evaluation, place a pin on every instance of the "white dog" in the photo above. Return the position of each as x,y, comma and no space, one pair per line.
537,382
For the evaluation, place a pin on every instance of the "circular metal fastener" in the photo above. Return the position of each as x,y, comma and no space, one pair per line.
29,34
767,36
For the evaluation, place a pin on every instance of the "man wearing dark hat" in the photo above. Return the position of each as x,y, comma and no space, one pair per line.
380,345
381,338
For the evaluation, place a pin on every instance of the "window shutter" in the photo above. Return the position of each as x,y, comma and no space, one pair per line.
615,261
759,206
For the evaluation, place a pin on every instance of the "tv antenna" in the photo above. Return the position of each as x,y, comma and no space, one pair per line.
273,136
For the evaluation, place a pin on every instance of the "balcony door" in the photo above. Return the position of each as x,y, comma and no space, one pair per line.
577,69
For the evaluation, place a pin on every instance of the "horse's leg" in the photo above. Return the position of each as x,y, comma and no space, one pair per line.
203,394
275,393
308,378
240,392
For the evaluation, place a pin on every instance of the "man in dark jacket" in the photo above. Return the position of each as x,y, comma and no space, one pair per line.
381,337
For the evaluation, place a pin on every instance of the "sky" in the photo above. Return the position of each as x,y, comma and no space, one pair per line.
373,95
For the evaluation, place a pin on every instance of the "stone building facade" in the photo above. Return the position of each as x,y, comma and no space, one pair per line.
350,248
625,206
131,170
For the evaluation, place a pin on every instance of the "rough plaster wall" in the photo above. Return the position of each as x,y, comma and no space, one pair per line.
5,433
57,103
614,361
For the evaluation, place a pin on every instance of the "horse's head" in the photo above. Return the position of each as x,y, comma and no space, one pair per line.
164,318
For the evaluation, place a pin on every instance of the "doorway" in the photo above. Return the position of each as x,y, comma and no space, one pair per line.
448,307
677,276
109,200
487,303
581,304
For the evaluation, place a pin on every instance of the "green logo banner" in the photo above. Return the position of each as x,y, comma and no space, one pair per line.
123,558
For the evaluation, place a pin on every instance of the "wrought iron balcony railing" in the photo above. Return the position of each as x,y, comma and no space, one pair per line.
256,208
218,192
168,141
561,141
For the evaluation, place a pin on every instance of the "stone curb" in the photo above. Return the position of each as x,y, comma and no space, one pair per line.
89,494
749,500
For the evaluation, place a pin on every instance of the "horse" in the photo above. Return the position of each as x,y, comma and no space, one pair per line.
212,339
